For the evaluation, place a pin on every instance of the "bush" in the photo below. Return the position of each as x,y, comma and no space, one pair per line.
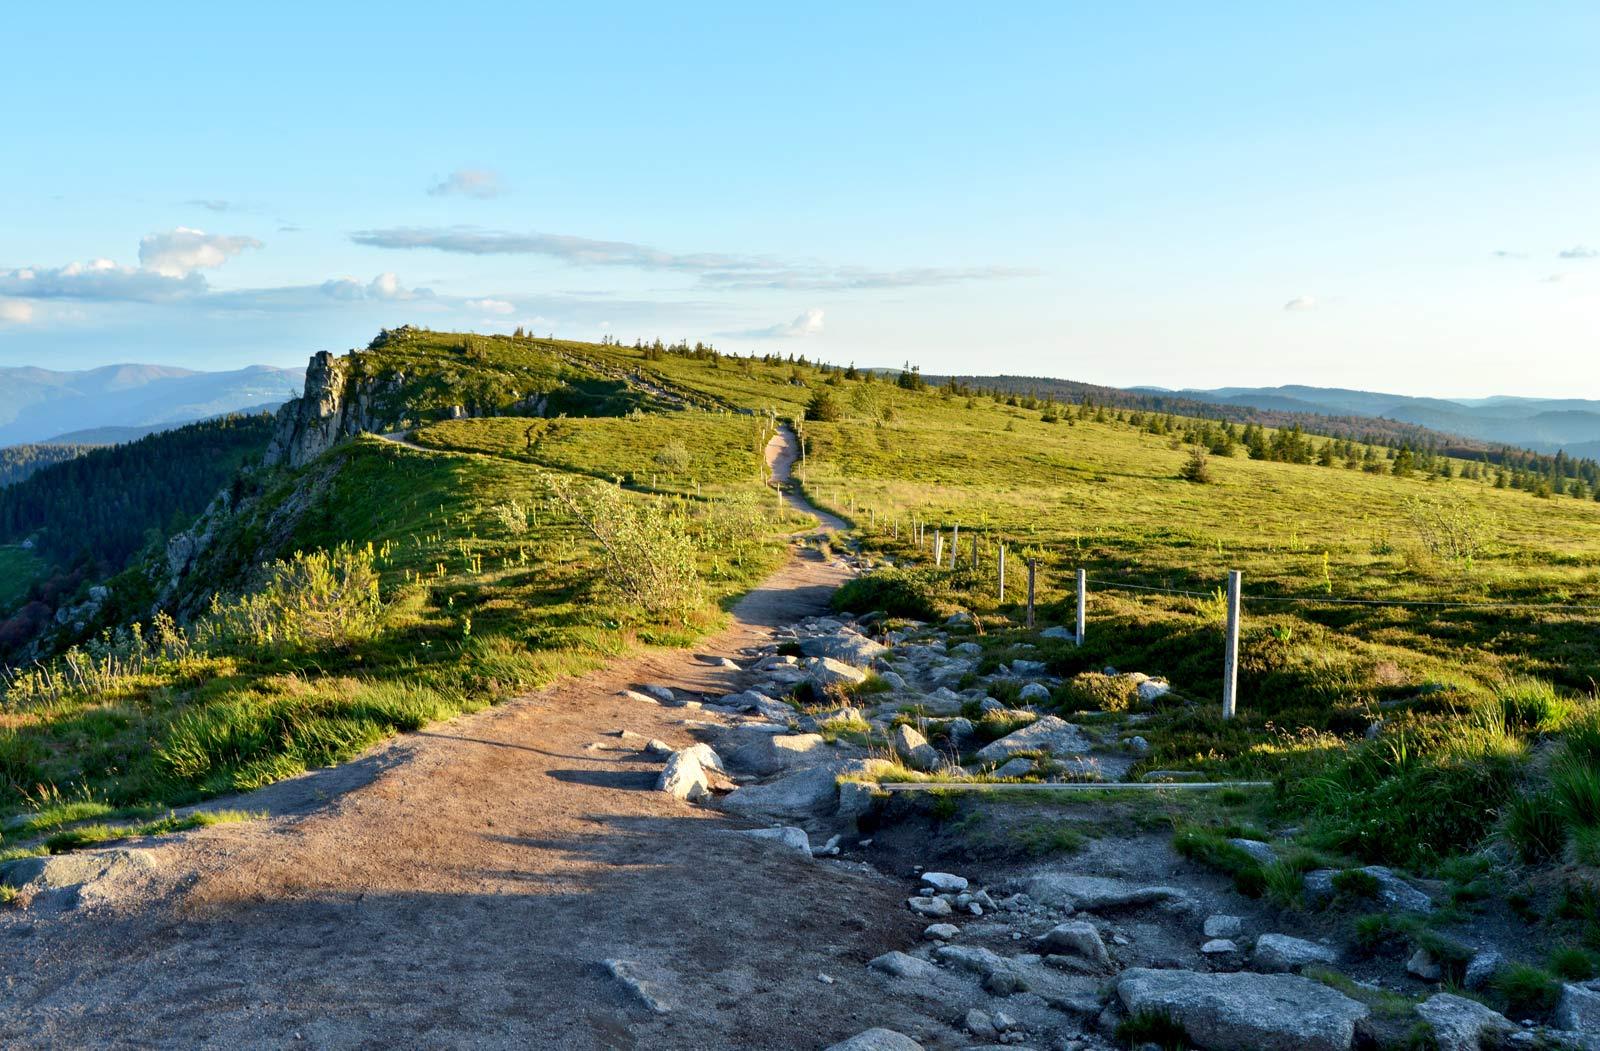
823,407
1526,990
1197,468
325,598
896,592
1098,691
1534,826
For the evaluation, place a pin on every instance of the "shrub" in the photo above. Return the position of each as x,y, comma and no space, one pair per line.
1534,826
1530,705
1197,468
897,592
1526,990
325,598
1576,787
1096,690
823,407
1573,964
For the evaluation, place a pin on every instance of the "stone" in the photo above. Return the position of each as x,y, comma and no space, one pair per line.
82,877
1241,1011
945,882
1276,953
856,798
1058,632
1393,891
1047,733
913,748
1024,667
1152,690
788,835
1097,893
1482,968
1173,775
1223,926
934,908
1075,938
940,932
1423,965
646,990
1578,1009
1018,767
661,693
989,704
1261,852
847,646
810,791
1033,693
635,695
968,649
823,672
1219,947
899,965
877,1040
1003,1021
685,777
894,679
657,748
761,704
980,1025
1137,745
1460,1024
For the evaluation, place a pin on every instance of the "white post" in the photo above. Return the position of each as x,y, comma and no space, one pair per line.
938,549
1083,596
1002,573
1230,668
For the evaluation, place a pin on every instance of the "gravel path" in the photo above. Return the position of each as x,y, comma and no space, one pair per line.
461,887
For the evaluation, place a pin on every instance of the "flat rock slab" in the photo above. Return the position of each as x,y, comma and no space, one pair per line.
1045,734
66,880
639,983
846,646
1460,1024
1246,1012
812,791
1097,892
1392,890
791,837
1276,953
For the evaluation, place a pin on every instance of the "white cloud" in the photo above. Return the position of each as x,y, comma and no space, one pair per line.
183,250
807,324
15,312
479,183
714,269
490,306
385,286
1506,253
99,279
1578,252
1302,303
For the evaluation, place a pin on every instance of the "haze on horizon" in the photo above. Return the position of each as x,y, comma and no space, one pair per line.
1364,197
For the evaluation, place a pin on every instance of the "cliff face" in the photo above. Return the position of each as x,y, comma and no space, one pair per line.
336,404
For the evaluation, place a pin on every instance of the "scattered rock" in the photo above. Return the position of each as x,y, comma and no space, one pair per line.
661,693
900,965
1482,968
632,978
1033,693
1460,1024
1057,632
1423,965
914,748
945,882
933,908
968,649
855,798
1393,891
788,835
1578,1009
1279,952
847,646
980,1025
657,747
941,932
877,1040
1018,767
823,672
685,777
1223,926
1026,667
1152,690
635,695
1219,947
1242,1011
1048,733
1261,852
1095,893
1076,938
1138,745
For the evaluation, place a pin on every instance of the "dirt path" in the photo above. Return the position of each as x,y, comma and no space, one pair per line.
460,887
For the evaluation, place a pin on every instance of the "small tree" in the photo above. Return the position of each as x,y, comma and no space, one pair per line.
822,406
1197,468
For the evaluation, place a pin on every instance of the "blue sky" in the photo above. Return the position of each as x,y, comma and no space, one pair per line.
1173,194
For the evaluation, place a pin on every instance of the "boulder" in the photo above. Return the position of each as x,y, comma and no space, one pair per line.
68,880
941,931
661,693
899,965
931,907
1276,953
945,882
788,835
1021,667
1242,1011
1423,965
1460,1024
761,704
1058,632
1223,926
1393,891
847,646
1219,947
1152,690
914,748
877,1040
855,798
1076,938
1261,852
823,672
1018,767
1045,734
808,791
1482,968
1033,693
968,649
685,777
1097,893
1578,1009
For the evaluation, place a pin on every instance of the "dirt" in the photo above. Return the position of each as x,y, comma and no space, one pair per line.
462,886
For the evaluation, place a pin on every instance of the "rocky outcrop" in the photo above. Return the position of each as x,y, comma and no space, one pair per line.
336,405
1244,1011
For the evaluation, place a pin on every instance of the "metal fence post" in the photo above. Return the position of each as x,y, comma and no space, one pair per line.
1083,595
1033,565
1230,668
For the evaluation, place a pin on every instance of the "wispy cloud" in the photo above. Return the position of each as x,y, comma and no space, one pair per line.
181,251
99,279
1578,252
807,324
385,286
212,204
713,269
490,306
478,183
15,312
1302,303
1506,253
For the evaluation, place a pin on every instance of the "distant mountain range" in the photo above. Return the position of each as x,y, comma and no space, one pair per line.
118,403
1544,425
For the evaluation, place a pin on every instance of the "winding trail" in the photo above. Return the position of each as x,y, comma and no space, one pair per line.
461,886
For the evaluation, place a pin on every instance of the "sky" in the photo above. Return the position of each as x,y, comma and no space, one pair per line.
1391,197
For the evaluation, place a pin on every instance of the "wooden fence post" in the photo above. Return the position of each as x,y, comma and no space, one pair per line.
974,551
1230,668
1033,565
938,549
1083,603
1002,573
